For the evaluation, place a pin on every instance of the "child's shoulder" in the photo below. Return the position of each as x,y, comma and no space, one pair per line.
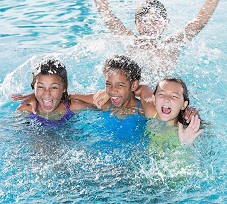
25,107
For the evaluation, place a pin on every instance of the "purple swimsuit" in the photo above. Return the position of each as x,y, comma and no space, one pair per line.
46,122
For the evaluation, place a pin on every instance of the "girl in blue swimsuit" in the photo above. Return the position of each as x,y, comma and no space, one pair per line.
53,103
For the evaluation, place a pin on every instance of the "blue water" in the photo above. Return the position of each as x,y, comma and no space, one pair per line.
93,159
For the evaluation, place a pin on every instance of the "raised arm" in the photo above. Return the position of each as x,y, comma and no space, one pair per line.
113,23
197,24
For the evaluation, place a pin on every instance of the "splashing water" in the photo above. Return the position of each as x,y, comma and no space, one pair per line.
84,160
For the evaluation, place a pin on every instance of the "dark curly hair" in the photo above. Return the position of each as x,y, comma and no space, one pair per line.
123,63
145,7
52,66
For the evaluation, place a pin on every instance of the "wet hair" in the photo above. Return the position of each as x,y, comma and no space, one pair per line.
123,63
145,7
185,95
53,66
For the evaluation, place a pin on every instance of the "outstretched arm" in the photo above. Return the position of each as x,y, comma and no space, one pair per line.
88,98
17,97
98,98
197,24
29,104
113,23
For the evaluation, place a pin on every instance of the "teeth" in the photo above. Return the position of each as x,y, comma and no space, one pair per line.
46,100
165,106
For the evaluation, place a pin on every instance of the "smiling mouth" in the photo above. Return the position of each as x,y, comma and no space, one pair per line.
48,104
116,100
166,109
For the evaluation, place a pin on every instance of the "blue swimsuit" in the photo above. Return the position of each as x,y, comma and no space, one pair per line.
127,128
119,133
46,122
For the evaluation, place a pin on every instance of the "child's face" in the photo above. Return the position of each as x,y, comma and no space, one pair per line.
169,100
118,88
48,91
151,24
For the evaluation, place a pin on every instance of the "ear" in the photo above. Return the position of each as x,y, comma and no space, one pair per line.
65,88
134,85
185,105
153,98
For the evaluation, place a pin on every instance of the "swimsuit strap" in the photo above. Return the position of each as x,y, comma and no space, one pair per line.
68,113
155,115
44,121
111,105
138,105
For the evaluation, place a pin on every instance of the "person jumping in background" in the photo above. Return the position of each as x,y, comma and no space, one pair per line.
156,54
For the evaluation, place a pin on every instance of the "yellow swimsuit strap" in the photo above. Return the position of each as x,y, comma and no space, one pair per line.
155,115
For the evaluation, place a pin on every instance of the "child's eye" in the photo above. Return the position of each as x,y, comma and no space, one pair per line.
175,96
120,85
54,88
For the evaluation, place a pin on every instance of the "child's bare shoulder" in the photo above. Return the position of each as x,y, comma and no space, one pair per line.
25,107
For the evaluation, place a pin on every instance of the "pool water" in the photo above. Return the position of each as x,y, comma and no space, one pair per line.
95,158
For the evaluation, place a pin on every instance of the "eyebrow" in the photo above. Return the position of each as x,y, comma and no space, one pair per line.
55,83
164,91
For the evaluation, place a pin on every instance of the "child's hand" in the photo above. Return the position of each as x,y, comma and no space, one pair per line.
100,98
17,97
189,135
189,112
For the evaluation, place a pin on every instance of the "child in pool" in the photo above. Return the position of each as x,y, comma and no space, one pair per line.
53,103
168,103
167,134
171,100
122,78
156,53
122,81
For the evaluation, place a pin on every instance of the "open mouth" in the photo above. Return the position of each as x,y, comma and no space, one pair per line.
47,104
166,109
116,100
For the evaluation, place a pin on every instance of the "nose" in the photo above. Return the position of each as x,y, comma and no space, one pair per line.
167,98
46,92
113,90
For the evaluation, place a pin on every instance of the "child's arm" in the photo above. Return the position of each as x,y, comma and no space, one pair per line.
145,93
113,23
193,27
29,104
98,98
189,112
197,24
17,97
189,135
88,98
